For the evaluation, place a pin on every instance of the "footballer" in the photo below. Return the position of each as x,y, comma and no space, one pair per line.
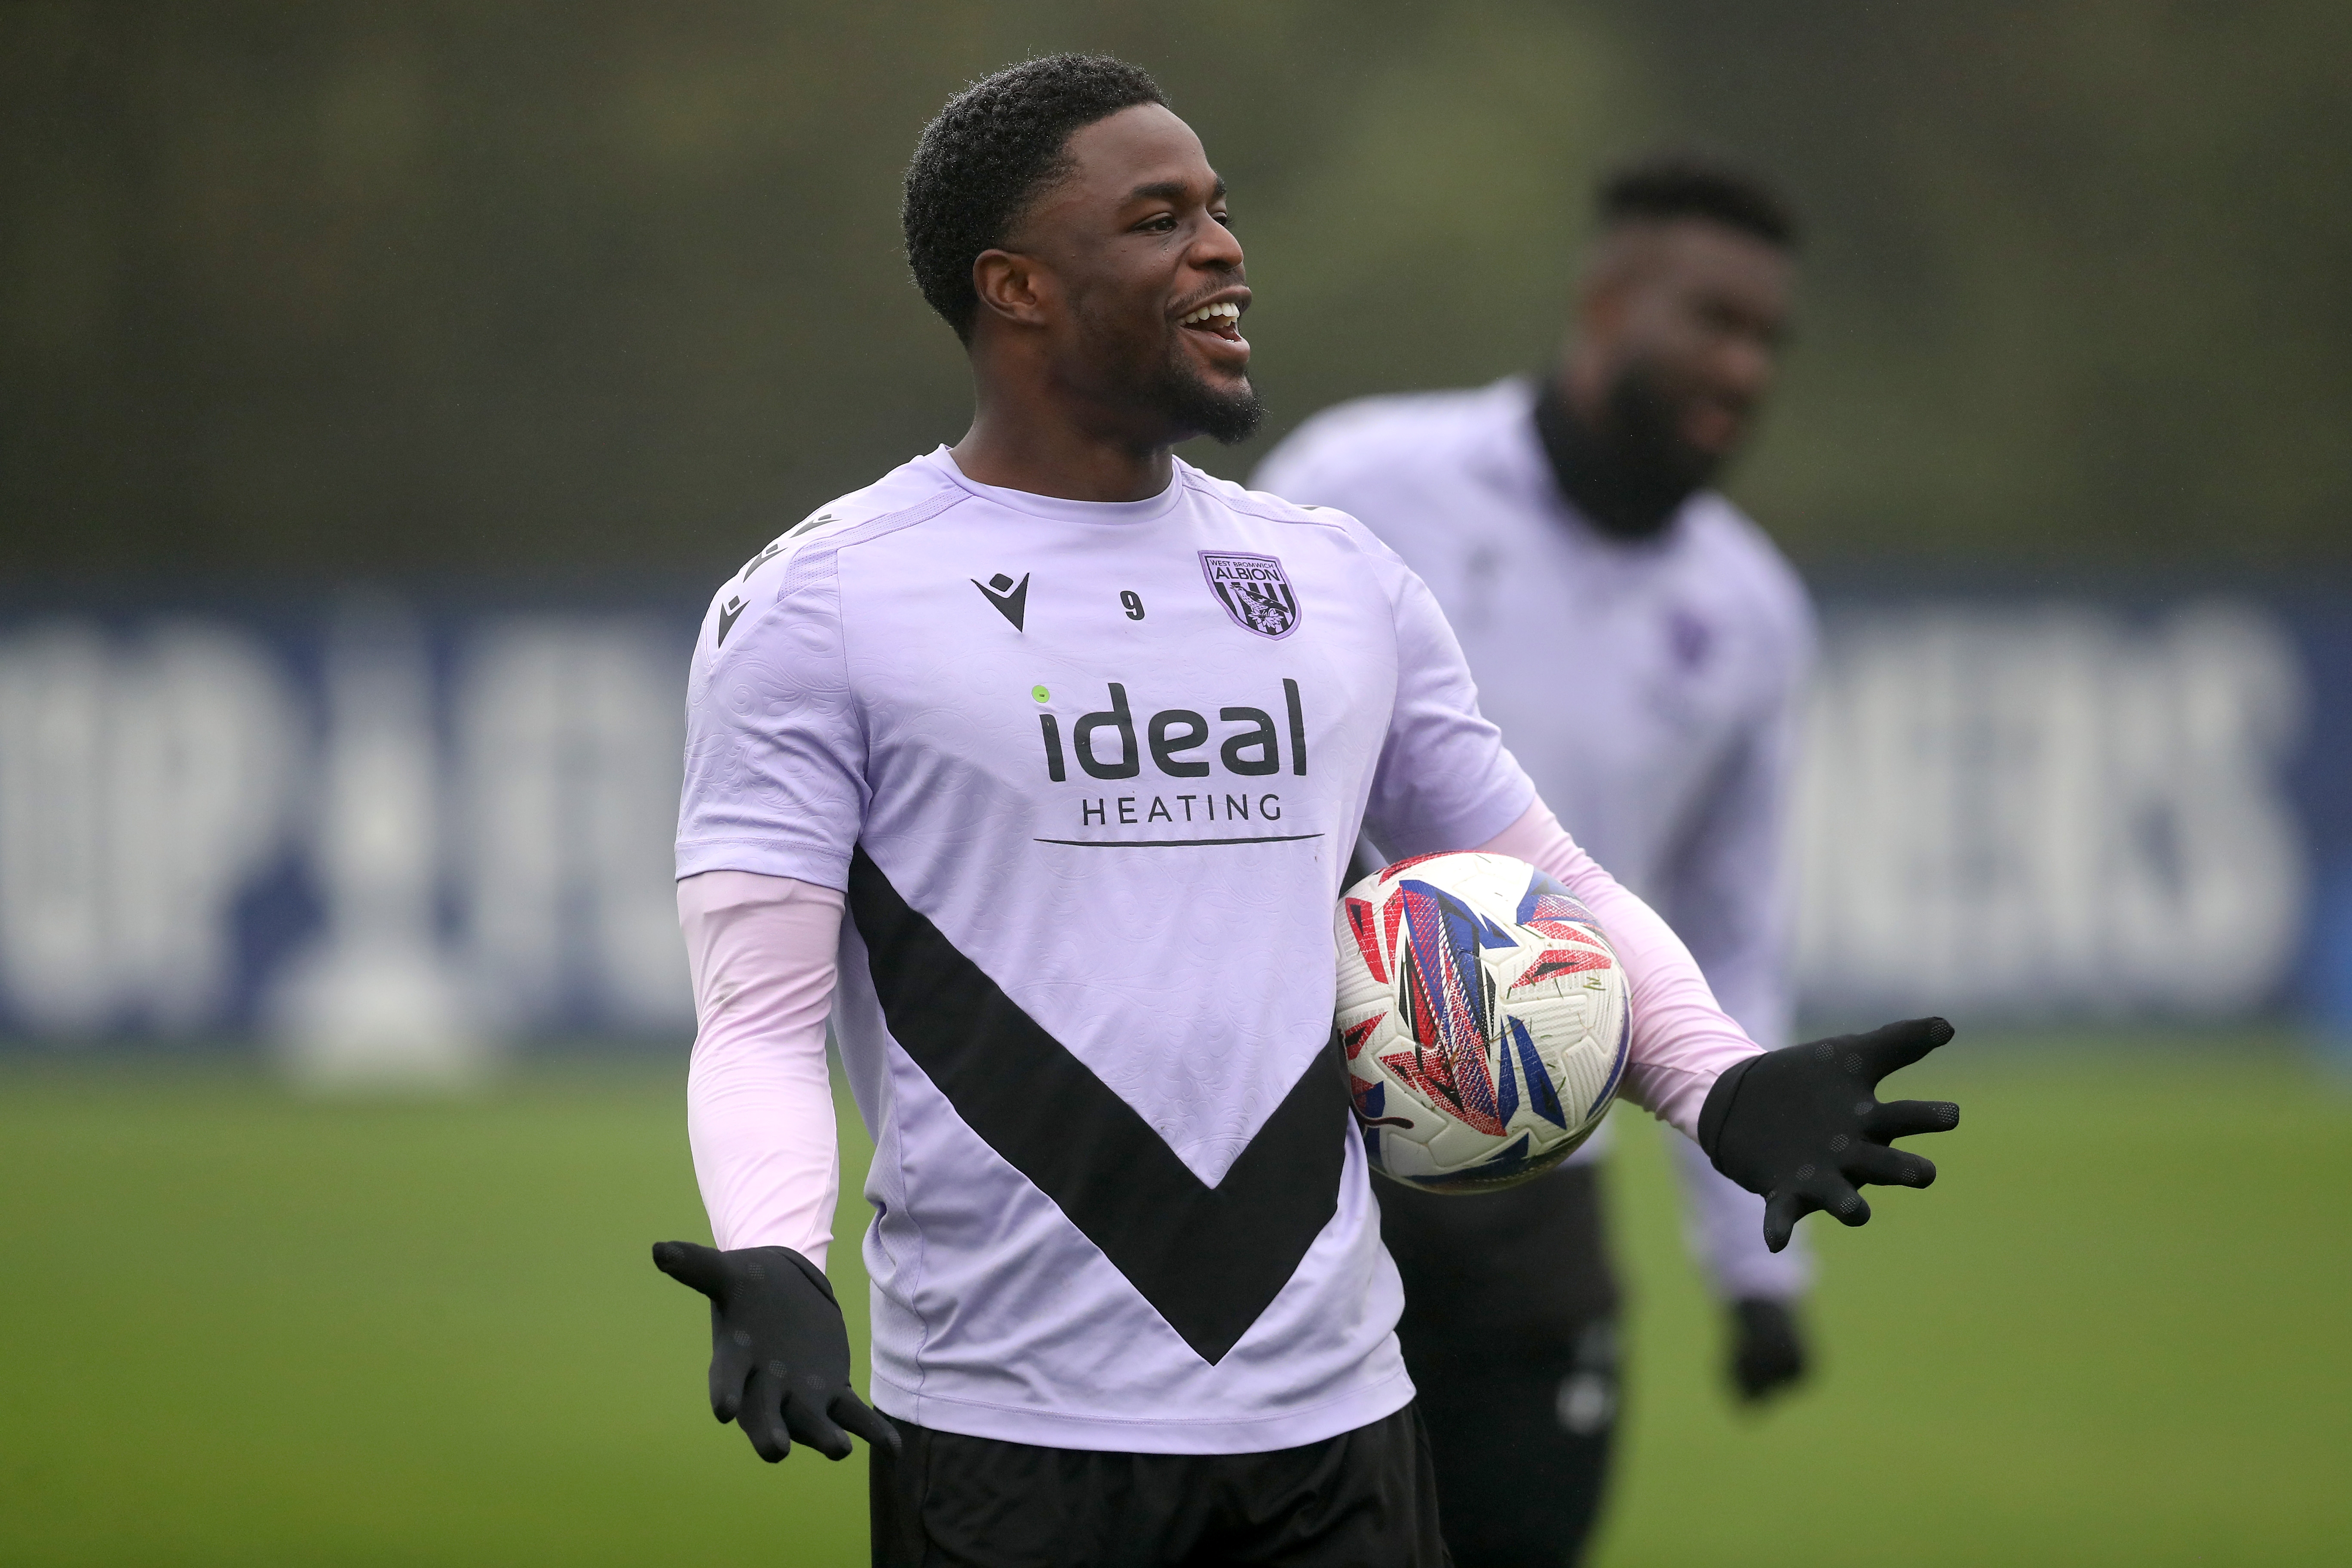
1585,497
1036,766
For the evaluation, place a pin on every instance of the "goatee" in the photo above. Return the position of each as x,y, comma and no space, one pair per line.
1630,471
1644,426
1191,403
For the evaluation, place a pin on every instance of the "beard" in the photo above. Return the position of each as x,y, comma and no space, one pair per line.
1644,425
1156,379
1190,404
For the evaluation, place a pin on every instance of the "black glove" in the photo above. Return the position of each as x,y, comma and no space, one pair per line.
779,1354
1802,1127
1767,1348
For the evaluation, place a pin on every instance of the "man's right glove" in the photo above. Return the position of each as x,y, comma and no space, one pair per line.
1803,1128
779,1354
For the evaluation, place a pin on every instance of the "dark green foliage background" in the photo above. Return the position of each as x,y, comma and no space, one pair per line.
553,291
242,1328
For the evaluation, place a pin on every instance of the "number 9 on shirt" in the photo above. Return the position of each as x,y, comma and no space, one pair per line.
1483,1017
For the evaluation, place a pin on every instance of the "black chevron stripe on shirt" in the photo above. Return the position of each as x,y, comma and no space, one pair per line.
1209,1260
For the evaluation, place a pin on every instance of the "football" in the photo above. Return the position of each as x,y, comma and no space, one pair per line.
1483,1017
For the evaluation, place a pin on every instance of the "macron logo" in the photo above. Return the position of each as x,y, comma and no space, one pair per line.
728,612
1010,598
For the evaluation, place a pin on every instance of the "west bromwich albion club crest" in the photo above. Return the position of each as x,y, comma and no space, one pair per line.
1254,590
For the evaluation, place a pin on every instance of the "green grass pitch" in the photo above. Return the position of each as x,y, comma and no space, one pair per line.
238,1327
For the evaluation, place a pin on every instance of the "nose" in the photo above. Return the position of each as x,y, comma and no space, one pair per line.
1743,365
1216,248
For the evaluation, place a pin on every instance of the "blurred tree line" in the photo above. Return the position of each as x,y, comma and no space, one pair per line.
566,291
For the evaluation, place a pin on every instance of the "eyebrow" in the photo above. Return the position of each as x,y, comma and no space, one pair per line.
1172,191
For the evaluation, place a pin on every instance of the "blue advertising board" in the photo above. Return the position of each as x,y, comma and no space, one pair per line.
373,830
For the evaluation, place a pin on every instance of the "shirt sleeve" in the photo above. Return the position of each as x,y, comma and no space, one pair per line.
775,745
1728,889
759,1100
1682,1041
1446,780
1728,894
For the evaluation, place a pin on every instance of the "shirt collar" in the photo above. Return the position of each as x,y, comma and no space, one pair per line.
1057,508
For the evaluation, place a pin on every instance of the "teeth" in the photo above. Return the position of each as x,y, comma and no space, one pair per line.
1223,308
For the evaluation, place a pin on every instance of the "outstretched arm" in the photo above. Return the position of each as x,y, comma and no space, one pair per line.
1803,1127
1444,778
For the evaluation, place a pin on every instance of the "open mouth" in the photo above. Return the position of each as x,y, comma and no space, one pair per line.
1219,318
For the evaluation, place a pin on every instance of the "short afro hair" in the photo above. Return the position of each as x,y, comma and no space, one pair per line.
1664,186
987,155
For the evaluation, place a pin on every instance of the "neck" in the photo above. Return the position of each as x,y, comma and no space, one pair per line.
1037,444
1615,490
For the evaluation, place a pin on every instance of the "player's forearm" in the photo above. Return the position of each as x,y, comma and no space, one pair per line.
1682,1041
759,1100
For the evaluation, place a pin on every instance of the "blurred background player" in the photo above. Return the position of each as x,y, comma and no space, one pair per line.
1567,520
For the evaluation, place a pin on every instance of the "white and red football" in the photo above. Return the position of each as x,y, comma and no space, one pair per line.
1484,1016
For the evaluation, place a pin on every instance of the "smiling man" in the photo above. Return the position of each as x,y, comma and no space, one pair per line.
1036,765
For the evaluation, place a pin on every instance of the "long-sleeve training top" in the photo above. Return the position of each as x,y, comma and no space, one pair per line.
1045,804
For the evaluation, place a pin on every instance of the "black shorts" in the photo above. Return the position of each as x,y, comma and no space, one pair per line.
1511,1272
1365,1499
1510,1332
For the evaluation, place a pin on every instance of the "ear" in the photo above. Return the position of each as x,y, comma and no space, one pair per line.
1012,287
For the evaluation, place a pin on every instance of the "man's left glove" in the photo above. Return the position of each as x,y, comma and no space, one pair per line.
1767,1348
779,1354
1803,1127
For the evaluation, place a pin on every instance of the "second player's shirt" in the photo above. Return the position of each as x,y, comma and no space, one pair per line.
1089,774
